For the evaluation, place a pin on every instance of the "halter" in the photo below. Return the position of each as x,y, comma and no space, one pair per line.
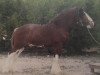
93,37
80,21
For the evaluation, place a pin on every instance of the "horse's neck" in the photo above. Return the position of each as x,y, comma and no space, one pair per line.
65,21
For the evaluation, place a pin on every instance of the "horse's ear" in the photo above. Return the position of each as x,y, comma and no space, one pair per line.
81,11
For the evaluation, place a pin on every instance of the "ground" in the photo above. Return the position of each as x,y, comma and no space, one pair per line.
41,65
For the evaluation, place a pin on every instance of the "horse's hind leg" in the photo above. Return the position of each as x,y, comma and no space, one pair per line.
11,59
18,52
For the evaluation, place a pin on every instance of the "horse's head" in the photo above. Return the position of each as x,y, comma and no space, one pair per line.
85,19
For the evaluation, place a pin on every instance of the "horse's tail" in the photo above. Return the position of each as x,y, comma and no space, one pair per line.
12,41
12,38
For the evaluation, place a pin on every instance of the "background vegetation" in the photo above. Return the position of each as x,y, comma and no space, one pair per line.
14,13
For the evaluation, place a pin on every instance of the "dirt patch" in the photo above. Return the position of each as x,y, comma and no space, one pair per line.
37,65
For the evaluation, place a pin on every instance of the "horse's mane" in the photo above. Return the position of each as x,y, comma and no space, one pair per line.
63,13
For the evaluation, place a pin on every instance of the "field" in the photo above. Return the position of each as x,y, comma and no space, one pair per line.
41,65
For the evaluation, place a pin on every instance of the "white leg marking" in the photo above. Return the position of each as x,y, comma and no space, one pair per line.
55,69
10,60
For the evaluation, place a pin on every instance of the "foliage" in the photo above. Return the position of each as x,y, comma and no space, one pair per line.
14,13
79,39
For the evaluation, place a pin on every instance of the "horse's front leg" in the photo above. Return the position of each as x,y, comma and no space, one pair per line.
55,69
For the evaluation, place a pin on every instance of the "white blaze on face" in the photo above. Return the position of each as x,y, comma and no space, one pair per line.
90,21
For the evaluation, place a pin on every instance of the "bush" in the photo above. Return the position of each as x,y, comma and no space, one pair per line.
14,13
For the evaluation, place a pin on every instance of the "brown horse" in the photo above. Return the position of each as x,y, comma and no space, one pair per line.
53,34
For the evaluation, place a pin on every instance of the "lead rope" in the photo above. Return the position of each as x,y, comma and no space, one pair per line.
93,37
90,33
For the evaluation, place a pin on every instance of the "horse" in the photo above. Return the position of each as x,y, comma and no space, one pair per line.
54,34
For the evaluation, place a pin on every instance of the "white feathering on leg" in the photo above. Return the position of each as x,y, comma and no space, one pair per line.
10,60
55,69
